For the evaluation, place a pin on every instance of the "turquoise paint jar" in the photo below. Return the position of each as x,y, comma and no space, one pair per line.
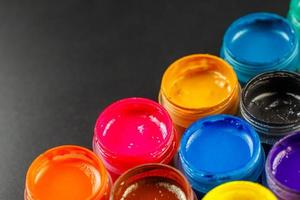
294,15
218,149
260,42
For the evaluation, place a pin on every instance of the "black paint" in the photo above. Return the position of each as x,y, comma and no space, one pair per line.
274,98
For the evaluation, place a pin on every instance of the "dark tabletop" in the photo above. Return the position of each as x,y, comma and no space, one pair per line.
62,62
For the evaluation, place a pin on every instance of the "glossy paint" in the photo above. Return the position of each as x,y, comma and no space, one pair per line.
134,131
242,190
271,103
260,42
218,149
198,85
283,167
67,173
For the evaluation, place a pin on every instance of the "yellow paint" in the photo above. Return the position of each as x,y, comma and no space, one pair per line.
240,190
67,173
196,86
199,81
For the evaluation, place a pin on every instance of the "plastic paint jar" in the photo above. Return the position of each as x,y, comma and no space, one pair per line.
218,149
196,86
283,168
240,190
152,181
260,42
270,102
132,132
294,15
67,173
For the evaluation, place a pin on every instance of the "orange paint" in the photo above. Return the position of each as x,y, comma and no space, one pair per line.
67,173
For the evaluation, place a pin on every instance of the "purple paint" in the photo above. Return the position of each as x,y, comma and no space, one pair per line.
283,167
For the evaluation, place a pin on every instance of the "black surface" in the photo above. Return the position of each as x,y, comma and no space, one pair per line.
62,62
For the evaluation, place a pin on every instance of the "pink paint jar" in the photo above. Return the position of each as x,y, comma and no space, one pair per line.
134,131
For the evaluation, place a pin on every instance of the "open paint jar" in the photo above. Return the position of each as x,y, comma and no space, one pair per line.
240,190
270,102
260,42
132,132
283,168
152,181
218,149
67,173
294,15
196,86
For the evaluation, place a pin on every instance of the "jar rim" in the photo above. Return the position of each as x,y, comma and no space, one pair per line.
269,162
202,175
150,167
85,155
180,61
261,77
252,18
155,155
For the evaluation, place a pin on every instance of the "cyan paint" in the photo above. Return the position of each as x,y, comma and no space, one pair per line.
260,42
218,149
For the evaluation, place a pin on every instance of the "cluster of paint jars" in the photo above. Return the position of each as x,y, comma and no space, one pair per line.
223,128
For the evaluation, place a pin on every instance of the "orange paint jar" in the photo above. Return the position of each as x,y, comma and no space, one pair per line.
67,173
196,86
152,181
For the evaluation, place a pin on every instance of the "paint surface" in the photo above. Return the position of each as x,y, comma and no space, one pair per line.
241,190
133,129
260,38
154,188
199,81
200,88
286,163
61,180
274,98
218,146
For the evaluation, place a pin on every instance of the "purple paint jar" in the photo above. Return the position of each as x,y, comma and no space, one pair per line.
283,168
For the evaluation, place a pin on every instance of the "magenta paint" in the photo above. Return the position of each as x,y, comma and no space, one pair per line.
283,167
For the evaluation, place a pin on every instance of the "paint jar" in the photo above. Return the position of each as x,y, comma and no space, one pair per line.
258,43
219,149
196,86
294,15
283,168
270,102
67,172
240,190
132,132
152,181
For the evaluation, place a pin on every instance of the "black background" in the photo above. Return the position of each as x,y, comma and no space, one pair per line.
62,62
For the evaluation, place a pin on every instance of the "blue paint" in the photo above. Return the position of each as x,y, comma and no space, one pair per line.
218,149
260,42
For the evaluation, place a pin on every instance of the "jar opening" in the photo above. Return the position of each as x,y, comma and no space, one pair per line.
198,82
67,172
260,39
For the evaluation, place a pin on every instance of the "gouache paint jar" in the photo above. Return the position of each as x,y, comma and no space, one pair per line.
241,190
134,131
260,42
270,102
283,168
219,149
67,173
196,86
294,15
152,181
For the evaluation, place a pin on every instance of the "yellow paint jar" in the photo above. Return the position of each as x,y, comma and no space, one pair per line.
196,86
242,190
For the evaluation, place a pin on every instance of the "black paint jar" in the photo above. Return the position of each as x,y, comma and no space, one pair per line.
270,102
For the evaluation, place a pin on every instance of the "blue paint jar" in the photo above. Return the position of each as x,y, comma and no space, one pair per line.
218,149
260,42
